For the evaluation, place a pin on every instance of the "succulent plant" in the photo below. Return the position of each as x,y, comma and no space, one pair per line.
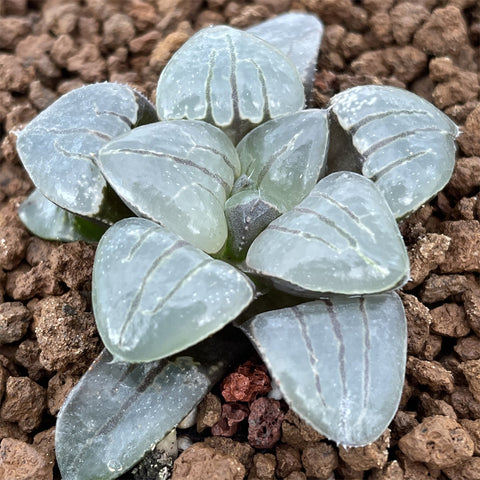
236,201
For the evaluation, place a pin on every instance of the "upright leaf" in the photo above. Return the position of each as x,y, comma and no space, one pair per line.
47,220
229,78
302,50
281,161
119,411
178,174
397,139
345,366
154,294
342,239
59,147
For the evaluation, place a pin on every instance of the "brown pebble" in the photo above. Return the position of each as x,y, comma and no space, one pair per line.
24,403
209,412
72,263
391,471
12,430
425,255
297,433
12,30
288,460
465,243
438,440
242,451
433,406
14,77
59,386
468,348
371,63
430,373
471,303
165,48
433,346
461,88
467,470
471,370
443,33
472,427
296,476
406,18
263,467
88,63
28,355
418,322
374,455
319,459
416,470
405,63
232,415
14,321
40,96
200,462
264,422
380,30
145,43
438,288
44,442
118,30
61,19
464,404
67,335
21,461
449,320
469,140
62,49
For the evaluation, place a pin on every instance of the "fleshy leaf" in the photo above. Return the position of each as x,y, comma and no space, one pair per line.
229,78
47,220
59,147
281,162
345,366
397,139
177,173
119,411
154,294
282,32
342,239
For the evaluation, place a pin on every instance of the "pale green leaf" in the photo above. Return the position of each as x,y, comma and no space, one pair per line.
119,411
302,50
177,173
229,78
59,147
342,238
154,294
339,362
397,139
47,220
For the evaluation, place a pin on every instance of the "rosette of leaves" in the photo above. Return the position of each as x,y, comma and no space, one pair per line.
237,201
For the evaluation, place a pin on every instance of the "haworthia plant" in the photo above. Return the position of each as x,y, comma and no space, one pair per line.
59,147
119,411
342,238
398,140
45,219
345,365
154,294
265,210
242,82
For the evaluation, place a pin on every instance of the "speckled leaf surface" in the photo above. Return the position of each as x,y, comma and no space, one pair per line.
345,366
59,147
118,411
177,173
401,141
154,294
283,32
342,238
229,78
47,220
281,160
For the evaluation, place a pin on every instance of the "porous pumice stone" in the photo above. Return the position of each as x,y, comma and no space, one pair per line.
342,238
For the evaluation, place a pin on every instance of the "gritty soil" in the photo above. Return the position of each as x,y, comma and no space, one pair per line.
47,330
